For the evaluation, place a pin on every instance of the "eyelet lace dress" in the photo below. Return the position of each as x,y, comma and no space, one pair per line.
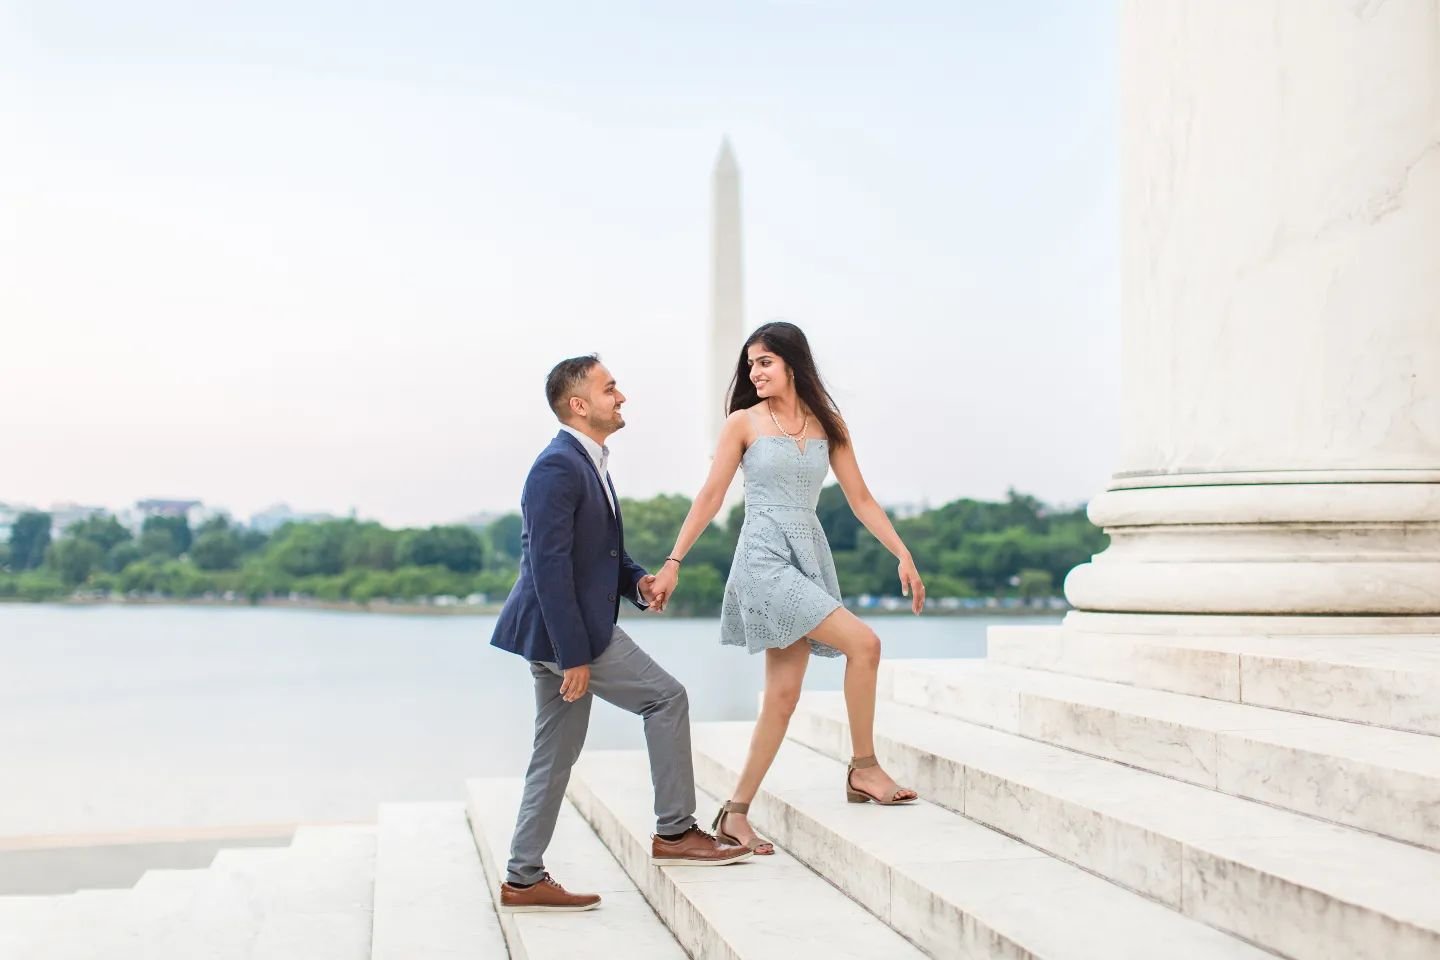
782,582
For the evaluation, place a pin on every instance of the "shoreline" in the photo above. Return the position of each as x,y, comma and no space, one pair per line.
482,609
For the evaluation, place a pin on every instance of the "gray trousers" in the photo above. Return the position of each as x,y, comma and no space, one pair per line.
625,676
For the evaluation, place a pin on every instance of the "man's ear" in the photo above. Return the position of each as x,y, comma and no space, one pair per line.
577,406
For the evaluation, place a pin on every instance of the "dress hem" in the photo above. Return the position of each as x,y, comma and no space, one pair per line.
816,647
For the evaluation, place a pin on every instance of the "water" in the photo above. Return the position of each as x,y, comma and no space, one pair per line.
116,718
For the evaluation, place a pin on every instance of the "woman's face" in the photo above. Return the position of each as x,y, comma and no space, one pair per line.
768,372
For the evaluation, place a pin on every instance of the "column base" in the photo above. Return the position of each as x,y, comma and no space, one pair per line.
1272,549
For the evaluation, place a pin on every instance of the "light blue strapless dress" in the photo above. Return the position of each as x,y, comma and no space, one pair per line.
782,582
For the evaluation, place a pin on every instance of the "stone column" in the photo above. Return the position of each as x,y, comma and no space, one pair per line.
1281,316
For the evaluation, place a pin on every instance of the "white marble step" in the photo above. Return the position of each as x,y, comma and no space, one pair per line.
216,912
1301,887
319,907
94,924
954,887
622,926
1389,681
170,882
253,860
1386,781
430,897
28,922
107,924
172,914
766,907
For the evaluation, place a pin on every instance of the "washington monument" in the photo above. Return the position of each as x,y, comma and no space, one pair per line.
727,293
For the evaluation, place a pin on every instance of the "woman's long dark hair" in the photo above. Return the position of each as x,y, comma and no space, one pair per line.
788,342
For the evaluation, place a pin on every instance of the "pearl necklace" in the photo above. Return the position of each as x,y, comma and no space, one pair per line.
794,437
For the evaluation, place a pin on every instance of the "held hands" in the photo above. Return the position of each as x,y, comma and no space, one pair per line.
646,588
662,585
911,585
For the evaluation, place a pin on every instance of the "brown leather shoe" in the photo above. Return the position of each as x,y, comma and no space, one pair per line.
547,896
695,848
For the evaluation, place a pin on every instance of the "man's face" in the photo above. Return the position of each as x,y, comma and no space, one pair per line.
602,401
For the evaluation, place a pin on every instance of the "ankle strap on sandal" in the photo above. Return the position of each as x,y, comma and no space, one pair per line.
860,763
734,806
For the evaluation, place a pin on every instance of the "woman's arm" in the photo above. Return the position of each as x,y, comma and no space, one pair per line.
869,512
707,503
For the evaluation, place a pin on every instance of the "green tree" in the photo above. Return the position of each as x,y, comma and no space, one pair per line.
504,535
1036,584
101,529
39,585
495,584
701,591
29,539
165,536
216,549
122,555
370,546
74,559
652,525
939,585
838,521
305,549
251,541
456,548
259,579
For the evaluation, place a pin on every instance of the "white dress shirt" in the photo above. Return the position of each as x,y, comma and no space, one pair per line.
599,456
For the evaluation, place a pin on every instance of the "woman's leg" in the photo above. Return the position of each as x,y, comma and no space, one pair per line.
784,675
848,633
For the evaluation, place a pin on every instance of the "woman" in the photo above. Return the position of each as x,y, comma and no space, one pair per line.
786,431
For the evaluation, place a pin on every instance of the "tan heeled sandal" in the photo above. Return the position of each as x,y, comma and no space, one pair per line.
861,796
761,848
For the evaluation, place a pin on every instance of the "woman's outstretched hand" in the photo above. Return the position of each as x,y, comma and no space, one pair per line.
911,585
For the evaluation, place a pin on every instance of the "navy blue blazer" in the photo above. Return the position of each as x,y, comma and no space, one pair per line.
573,564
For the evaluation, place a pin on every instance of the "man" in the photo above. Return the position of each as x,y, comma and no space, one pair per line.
561,616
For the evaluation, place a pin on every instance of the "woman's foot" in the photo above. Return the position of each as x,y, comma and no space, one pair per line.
737,827
878,785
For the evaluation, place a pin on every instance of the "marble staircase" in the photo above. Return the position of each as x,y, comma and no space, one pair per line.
1084,799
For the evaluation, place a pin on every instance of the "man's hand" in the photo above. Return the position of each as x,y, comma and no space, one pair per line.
646,588
575,683
664,584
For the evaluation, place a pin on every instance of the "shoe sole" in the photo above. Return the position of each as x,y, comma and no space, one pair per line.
682,862
545,909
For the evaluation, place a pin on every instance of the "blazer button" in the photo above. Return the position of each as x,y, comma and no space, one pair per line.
611,598
614,553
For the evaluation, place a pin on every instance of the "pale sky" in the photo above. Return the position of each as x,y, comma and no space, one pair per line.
325,252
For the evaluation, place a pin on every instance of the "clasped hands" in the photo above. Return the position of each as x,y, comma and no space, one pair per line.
655,589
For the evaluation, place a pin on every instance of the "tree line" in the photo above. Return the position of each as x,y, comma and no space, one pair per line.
1017,547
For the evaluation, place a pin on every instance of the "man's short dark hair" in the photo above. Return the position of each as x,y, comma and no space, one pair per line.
564,379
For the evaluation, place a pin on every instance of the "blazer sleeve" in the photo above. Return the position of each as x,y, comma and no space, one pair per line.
552,493
630,576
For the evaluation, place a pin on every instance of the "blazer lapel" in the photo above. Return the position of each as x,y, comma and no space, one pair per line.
620,524
579,448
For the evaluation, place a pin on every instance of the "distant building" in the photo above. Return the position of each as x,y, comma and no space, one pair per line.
165,508
479,521
904,511
63,516
272,518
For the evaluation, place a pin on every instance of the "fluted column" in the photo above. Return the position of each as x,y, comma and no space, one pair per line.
1281,312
